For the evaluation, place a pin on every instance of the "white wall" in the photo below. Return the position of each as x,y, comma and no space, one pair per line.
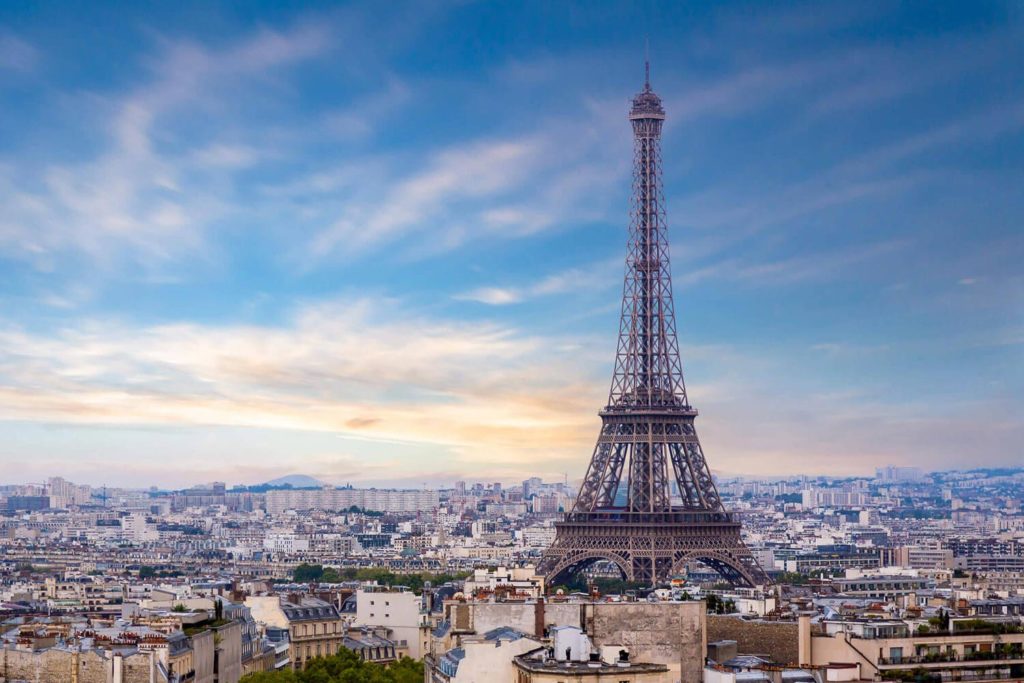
397,610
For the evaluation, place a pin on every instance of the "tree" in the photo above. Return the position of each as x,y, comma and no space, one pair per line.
714,604
344,667
307,572
792,578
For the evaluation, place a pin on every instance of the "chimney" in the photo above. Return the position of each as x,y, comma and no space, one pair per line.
804,640
538,618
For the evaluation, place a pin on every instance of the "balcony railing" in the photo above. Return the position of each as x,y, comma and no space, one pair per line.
943,657
934,676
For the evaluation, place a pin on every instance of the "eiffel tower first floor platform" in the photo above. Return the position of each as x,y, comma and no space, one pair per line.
650,548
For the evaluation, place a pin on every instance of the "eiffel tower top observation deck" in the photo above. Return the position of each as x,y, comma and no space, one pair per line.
648,441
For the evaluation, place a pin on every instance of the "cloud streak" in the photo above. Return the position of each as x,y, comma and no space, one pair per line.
362,369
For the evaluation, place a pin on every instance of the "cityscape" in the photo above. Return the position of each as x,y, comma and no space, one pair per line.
343,456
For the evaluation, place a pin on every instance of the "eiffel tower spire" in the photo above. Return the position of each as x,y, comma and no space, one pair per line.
648,440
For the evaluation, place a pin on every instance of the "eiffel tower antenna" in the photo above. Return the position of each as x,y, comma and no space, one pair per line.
648,441
647,64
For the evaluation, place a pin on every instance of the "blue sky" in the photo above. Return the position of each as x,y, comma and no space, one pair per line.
383,243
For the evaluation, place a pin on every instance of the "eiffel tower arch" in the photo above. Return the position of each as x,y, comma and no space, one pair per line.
648,440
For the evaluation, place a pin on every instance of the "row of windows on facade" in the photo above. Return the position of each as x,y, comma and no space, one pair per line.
316,629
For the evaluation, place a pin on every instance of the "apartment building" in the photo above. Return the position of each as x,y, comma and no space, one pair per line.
384,500
401,612
888,649
314,627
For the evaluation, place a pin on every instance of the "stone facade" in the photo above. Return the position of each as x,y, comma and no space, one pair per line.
532,617
56,665
669,633
228,641
777,640
203,648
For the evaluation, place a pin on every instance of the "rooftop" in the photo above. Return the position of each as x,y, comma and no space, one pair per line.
538,662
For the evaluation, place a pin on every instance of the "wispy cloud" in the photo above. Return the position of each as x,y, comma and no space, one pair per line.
485,169
471,191
16,54
492,296
360,121
135,197
984,125
597,275
809,267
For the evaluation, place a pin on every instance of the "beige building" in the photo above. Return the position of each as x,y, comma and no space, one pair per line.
886,649
314,627
487,658
672,633
922,557
523,582
573,657
506,655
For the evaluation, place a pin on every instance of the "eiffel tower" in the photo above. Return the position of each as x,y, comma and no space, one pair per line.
647,428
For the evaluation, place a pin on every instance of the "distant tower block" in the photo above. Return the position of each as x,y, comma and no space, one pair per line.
648,440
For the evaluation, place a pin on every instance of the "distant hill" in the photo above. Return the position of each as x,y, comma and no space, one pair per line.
297,481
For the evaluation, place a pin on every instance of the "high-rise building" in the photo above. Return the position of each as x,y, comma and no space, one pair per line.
532,486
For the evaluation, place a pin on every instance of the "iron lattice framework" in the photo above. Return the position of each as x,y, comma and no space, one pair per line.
647,429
